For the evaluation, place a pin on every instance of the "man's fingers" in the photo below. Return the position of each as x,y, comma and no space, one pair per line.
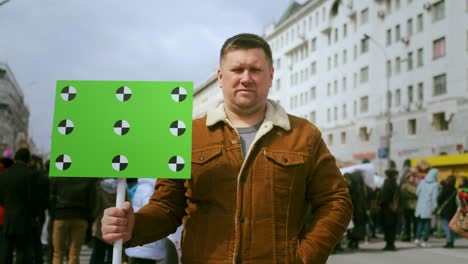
114,212
110,220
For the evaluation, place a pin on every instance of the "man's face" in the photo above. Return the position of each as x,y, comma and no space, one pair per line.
245,77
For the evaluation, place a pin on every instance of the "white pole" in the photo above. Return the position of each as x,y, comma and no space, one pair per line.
117,254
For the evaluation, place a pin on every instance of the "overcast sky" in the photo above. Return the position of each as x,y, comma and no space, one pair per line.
173,40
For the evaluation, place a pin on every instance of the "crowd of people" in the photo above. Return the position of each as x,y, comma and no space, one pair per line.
48,220
411,205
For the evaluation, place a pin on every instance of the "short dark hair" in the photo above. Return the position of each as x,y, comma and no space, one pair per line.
246,41
23,155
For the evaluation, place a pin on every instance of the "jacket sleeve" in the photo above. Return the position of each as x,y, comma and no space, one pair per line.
328,196
162,215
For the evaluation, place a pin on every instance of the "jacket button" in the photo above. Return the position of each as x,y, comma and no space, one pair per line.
285,160
201,157
233,141
241,219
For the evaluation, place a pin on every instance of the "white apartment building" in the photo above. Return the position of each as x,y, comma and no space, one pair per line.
355,68
14,114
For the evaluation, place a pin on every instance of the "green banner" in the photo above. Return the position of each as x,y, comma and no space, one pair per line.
122,129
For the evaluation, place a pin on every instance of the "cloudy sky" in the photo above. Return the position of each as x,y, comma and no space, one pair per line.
48,40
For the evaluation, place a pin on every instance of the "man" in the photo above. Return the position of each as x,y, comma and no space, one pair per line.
17,195
255,171
72,201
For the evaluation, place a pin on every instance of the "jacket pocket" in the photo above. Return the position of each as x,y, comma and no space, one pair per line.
204,165
285,166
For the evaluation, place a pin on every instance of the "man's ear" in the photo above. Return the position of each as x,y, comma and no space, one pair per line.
220,76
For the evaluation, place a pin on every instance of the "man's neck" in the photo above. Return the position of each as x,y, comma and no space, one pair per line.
247,119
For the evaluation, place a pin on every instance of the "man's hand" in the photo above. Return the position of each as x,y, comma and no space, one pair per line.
117,223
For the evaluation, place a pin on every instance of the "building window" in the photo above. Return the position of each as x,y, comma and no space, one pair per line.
397,33
389,37
409,27
397,4
328,115
335,87
420,57
364,45
313,93
397,65
335,113
329,63
355,108
410,61
330,139
438,11
313,68
313,44
412,127
420,23
335,61
345,56
420,92
438,48
364,74
364,16
397,97
389,100
410,94
278,84
355,52
345,30
344,84
389,68
343,137
328,89
345,112
364,104
364,134
312,116
440,84
439,122
355,80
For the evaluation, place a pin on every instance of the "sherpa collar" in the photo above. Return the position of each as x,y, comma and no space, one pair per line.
275,116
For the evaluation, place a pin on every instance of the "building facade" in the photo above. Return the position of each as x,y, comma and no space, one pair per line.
14,114
376,76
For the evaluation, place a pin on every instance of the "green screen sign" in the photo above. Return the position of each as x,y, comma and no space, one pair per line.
122,129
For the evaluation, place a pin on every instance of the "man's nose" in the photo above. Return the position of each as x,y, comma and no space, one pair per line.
246,77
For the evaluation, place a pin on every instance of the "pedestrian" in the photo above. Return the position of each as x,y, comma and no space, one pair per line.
358,193
105,197
389,215
427,192
255,169
71,208
409,199
447,202
154,252
17,195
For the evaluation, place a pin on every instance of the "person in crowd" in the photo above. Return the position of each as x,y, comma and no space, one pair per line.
427,192
154,252
422,168
358,192
18,196
105,198
389,216
447,201
255,169
409,199
42,198
72,203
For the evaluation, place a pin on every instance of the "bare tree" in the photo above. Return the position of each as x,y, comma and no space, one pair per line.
2,2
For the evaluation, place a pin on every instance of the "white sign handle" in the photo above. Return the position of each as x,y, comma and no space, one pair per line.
117,254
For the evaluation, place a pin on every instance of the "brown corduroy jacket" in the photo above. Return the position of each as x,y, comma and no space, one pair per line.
252,209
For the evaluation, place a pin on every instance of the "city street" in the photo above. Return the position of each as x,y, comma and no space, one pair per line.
406,253
371,253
